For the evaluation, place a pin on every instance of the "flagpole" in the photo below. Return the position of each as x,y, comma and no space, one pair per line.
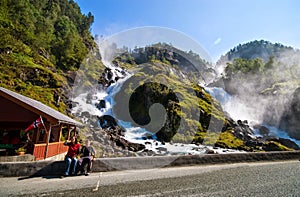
43,123
48,137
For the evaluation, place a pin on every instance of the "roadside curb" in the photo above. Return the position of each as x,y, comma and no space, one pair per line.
46,168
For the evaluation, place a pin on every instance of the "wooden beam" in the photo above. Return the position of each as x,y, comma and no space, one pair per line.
69,132
47,140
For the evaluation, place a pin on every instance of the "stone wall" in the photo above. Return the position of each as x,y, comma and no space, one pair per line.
54,168
17,158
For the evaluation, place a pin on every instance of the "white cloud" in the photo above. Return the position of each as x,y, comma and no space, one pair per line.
217,41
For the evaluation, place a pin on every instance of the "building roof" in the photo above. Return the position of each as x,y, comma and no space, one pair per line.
38,107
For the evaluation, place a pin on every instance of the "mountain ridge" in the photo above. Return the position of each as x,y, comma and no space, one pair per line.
256,49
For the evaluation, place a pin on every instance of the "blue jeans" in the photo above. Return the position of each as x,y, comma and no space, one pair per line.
70,163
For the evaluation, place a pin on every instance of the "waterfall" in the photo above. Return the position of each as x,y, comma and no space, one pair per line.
239,111
234,106
280,133
219,94
101,102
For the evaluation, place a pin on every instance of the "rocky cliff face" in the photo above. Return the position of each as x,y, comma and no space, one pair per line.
290,120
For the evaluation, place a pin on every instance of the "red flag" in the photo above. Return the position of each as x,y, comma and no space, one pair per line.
37,123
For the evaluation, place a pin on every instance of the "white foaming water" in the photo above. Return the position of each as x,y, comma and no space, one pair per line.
219,94
132,134
280,133
84,106
135,134
240,111
237,109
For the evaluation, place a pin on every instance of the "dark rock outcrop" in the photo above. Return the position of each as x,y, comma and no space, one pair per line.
285,142
117,133
290,121
242,131
264,131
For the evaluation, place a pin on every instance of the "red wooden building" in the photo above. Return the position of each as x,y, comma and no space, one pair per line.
17,112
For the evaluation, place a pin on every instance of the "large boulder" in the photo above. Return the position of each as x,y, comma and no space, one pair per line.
274,146
107,121
262,130
117,134
243,131
285,142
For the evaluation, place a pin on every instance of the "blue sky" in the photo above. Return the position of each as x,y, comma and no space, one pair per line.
217,25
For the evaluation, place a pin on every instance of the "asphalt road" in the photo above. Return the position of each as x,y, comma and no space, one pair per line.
242,179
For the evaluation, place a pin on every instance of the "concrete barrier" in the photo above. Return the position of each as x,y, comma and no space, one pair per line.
52,168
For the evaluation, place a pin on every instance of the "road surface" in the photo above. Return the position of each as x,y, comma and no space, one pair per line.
241,179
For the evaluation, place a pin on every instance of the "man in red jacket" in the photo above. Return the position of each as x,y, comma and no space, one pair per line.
70,158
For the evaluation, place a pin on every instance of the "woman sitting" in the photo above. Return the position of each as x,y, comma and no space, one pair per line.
70,158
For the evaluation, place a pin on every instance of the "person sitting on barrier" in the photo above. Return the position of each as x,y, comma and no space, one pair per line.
70,158
87,156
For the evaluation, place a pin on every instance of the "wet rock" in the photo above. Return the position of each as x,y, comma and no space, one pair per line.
286,142
162,149
264,131
101,104
271,146
85,114
254,143
116,134
242,130
107,121
209,151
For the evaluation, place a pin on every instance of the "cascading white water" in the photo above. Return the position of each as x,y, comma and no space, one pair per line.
133,134
234,106
280,133
238,111
219,94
